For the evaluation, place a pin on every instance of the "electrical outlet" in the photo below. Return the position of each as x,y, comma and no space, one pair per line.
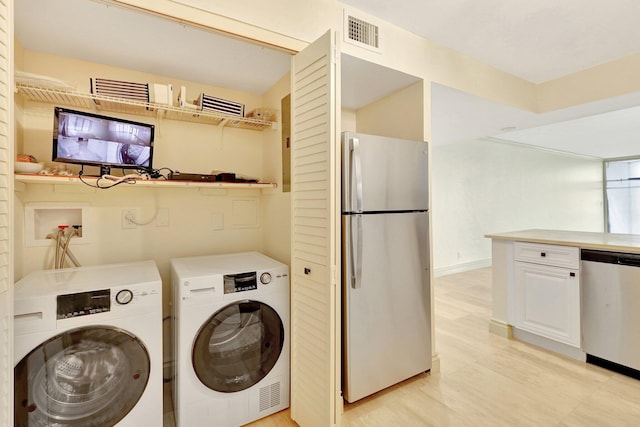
128,218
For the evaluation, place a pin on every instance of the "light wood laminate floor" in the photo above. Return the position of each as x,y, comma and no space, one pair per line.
486,380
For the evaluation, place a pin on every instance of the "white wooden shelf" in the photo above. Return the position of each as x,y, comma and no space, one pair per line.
157,183
149,109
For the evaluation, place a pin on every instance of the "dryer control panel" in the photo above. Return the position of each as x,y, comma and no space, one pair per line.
240,282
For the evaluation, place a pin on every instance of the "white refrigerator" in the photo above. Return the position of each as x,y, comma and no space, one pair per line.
386,308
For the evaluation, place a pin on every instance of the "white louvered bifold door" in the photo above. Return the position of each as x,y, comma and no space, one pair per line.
6,212
315,217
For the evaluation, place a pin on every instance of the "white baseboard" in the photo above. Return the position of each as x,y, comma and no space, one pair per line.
500,328
555,346
435,364
460,268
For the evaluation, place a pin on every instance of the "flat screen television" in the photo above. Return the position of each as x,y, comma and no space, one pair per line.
107,142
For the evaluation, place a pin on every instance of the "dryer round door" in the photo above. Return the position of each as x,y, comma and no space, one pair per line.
238,346
90,376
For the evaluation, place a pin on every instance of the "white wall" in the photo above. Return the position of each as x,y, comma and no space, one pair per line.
276,204
398,115
485,186
184,146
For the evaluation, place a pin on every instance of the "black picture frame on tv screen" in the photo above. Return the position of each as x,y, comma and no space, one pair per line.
106,142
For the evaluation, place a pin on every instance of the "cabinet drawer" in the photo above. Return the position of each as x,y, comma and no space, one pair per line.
540,253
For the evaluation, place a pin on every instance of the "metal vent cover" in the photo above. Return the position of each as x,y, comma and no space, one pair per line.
211,103
120,89
362,32
270,396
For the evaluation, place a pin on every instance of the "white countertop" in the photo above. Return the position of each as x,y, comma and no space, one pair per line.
581,239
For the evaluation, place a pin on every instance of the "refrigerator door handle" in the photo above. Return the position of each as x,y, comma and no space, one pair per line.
356,252
357,172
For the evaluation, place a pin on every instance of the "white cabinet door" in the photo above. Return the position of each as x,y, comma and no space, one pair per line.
548,301
315,300
6,212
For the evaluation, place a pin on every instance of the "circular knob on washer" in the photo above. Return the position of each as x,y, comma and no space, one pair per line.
124,297
265,278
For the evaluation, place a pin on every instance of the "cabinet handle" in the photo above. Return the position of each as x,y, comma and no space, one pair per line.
543,254
572,274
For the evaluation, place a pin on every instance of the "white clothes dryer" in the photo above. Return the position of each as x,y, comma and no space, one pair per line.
231,338
88,347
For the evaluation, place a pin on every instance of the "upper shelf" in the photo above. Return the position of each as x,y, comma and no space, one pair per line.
75,180
149,109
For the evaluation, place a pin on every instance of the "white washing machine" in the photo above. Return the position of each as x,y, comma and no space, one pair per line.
88,347
231,338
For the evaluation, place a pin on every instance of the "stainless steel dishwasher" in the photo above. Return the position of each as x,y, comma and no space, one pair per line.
611,309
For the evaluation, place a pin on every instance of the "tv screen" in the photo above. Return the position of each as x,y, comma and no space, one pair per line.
90,139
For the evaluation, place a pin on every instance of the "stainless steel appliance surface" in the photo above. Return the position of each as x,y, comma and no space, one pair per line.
386,279
610,308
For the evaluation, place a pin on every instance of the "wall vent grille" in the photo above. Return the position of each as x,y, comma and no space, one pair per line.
362,32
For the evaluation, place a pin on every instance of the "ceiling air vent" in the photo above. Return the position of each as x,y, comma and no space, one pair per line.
362,33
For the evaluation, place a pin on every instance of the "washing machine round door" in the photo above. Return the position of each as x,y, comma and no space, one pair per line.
238,346
90,376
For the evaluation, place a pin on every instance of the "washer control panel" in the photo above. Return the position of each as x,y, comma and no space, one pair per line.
124,296
134,295
265,278
83,303
101,301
